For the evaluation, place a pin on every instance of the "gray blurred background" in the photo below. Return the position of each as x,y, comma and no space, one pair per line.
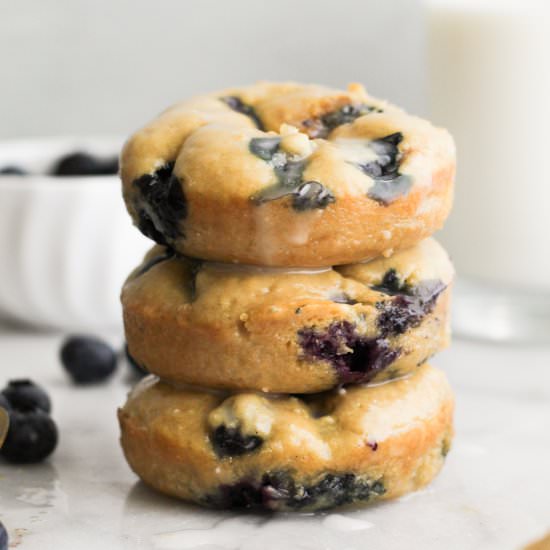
105,67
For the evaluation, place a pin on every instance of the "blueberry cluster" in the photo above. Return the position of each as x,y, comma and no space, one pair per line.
355,357
160,204
280,491
32,434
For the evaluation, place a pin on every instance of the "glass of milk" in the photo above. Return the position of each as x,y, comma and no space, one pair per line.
489,84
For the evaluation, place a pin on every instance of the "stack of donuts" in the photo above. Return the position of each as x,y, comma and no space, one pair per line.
292,300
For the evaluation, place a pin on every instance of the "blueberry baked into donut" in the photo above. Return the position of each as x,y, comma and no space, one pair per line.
285,330
285,453
293,298
317,176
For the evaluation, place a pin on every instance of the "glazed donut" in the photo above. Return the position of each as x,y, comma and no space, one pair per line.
287,453
287,330
288,175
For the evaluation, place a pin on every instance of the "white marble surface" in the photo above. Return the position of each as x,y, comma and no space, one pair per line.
492,494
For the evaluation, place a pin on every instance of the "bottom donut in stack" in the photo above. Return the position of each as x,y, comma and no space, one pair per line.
282,452
288,389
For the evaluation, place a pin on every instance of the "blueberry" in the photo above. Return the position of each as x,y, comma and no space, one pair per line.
389,184
364,357
3,537
4,403
305,195
231,442
25,395
310,195
136,368
322,126
88,359
84,164
32,436
391,284
12,171
405,311
237,104
385,191
160,205
281,491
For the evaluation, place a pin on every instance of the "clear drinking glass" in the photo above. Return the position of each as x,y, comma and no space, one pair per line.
489,83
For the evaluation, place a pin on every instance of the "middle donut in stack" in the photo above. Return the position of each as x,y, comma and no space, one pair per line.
283,330
294,276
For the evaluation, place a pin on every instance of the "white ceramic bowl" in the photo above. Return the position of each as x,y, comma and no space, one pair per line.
66,243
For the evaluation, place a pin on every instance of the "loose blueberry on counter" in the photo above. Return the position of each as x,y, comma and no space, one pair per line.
305,195
3,537
279,491
160,204
321,127
12,171
407,310
236,103
389,184
84,164
25,395
231,442
367,356
32,436
87,359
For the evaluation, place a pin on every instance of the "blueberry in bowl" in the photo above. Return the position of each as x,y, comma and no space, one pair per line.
85,164
61,215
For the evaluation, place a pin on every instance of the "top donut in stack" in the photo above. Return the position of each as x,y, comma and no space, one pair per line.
288,175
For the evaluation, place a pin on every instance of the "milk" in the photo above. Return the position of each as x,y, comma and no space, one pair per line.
490,86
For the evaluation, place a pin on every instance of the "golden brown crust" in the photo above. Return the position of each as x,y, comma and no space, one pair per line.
391,438
251,329
217,175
